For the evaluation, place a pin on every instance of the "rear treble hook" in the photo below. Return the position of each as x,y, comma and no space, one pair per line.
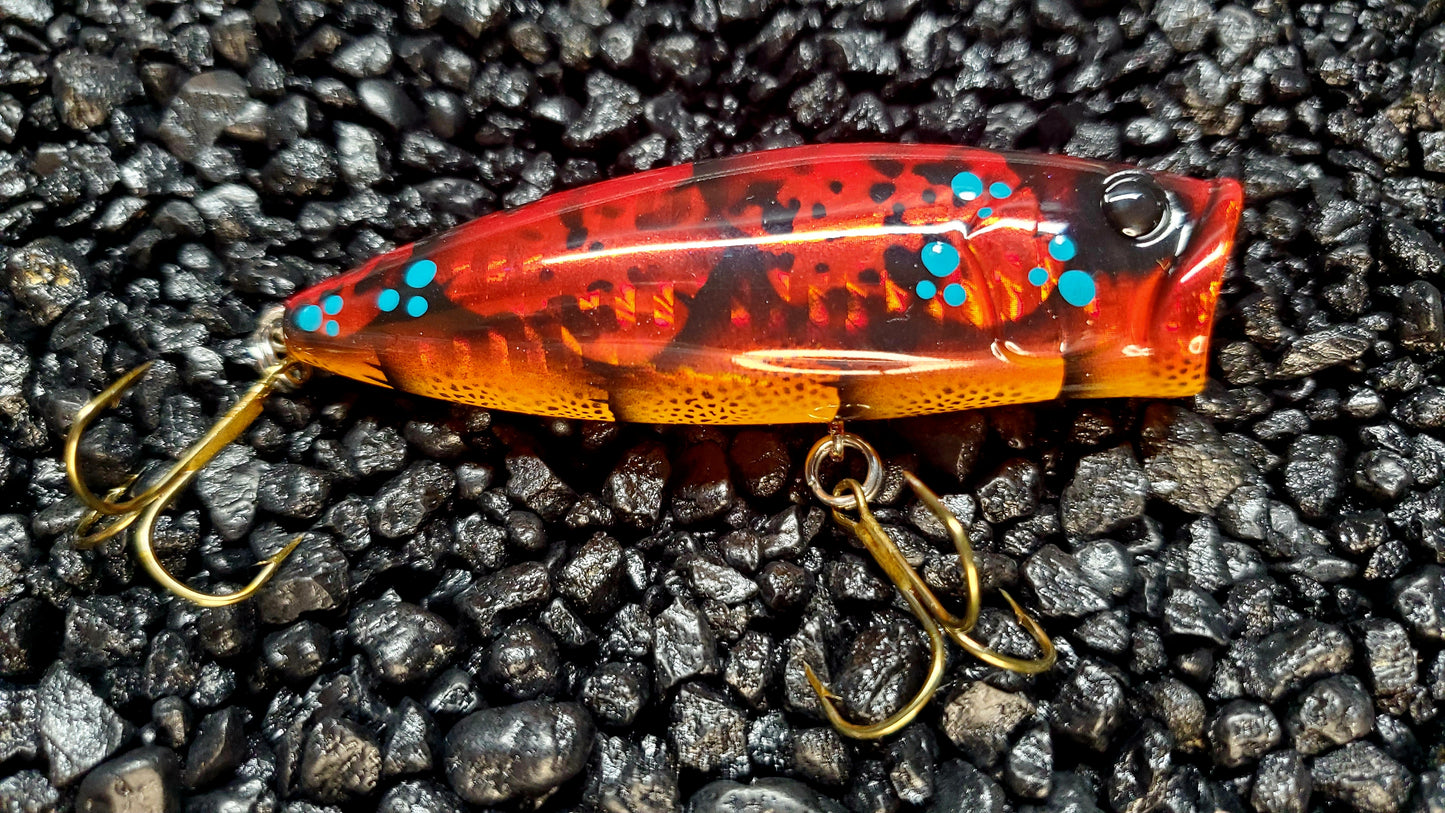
140,511
937,621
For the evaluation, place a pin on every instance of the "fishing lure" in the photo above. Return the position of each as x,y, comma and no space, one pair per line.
810,284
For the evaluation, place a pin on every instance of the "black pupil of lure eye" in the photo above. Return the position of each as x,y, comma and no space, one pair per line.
1135,205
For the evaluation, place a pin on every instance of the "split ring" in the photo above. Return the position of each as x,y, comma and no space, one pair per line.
813,469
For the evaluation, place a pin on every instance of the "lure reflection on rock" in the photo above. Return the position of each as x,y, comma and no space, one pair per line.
796,285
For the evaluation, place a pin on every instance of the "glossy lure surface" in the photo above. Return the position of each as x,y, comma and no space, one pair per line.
795,285
807,284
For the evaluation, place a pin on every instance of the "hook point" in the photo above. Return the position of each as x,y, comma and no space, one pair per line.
280,556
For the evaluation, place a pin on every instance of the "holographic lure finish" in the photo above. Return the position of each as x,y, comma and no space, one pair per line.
801,284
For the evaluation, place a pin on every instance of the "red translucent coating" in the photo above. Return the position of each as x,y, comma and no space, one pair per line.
804,284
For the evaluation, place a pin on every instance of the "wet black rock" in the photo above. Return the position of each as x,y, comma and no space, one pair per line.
1312,473
820,756
612,107
200,111
1364,777
1242,731
616,693
1420,600
29,12
77,728
173,719
1421,313
1062,586
306,168
784,585
749,670
1187,462
624,776
1330,712
1012,491
404,642
47,276
314,577
708,732
961,786
883,669
1108,490
404,502
410,741
532,483
218,747
1317,351
1282,784
1412,248
634,489
720,582
769,793
1424,408
1392,659
297,652
522,662
518,751
25,791
683,645
1286,659
1140,779
593,576
518,587
143,779
979,719
87,88
1090,707
1029,768
415,796
340,761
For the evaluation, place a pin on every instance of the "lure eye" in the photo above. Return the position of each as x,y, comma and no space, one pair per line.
1134,204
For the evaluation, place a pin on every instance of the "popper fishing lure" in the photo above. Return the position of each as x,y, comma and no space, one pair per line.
811,284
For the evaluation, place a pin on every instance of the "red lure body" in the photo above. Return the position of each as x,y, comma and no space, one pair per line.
803,284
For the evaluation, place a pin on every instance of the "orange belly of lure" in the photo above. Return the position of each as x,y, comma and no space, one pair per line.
804,284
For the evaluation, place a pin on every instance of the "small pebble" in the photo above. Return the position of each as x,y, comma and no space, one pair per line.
518,751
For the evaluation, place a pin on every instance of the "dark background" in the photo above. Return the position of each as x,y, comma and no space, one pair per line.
1243,587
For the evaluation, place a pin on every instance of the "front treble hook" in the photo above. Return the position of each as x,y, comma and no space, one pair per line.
140,511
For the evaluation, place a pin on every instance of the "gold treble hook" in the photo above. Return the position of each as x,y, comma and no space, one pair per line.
930,612
141,510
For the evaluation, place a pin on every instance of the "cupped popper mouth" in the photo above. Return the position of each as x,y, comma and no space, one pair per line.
1185,312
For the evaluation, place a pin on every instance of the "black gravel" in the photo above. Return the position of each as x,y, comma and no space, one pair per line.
501,611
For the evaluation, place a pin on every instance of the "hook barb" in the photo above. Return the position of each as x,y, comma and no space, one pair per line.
141,511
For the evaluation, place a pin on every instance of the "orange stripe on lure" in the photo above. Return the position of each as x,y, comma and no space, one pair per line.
794,285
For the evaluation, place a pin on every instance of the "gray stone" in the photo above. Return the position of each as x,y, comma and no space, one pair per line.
404,642
1364,777
1108,490
77,728
774,794
519,751
708,732
146,779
